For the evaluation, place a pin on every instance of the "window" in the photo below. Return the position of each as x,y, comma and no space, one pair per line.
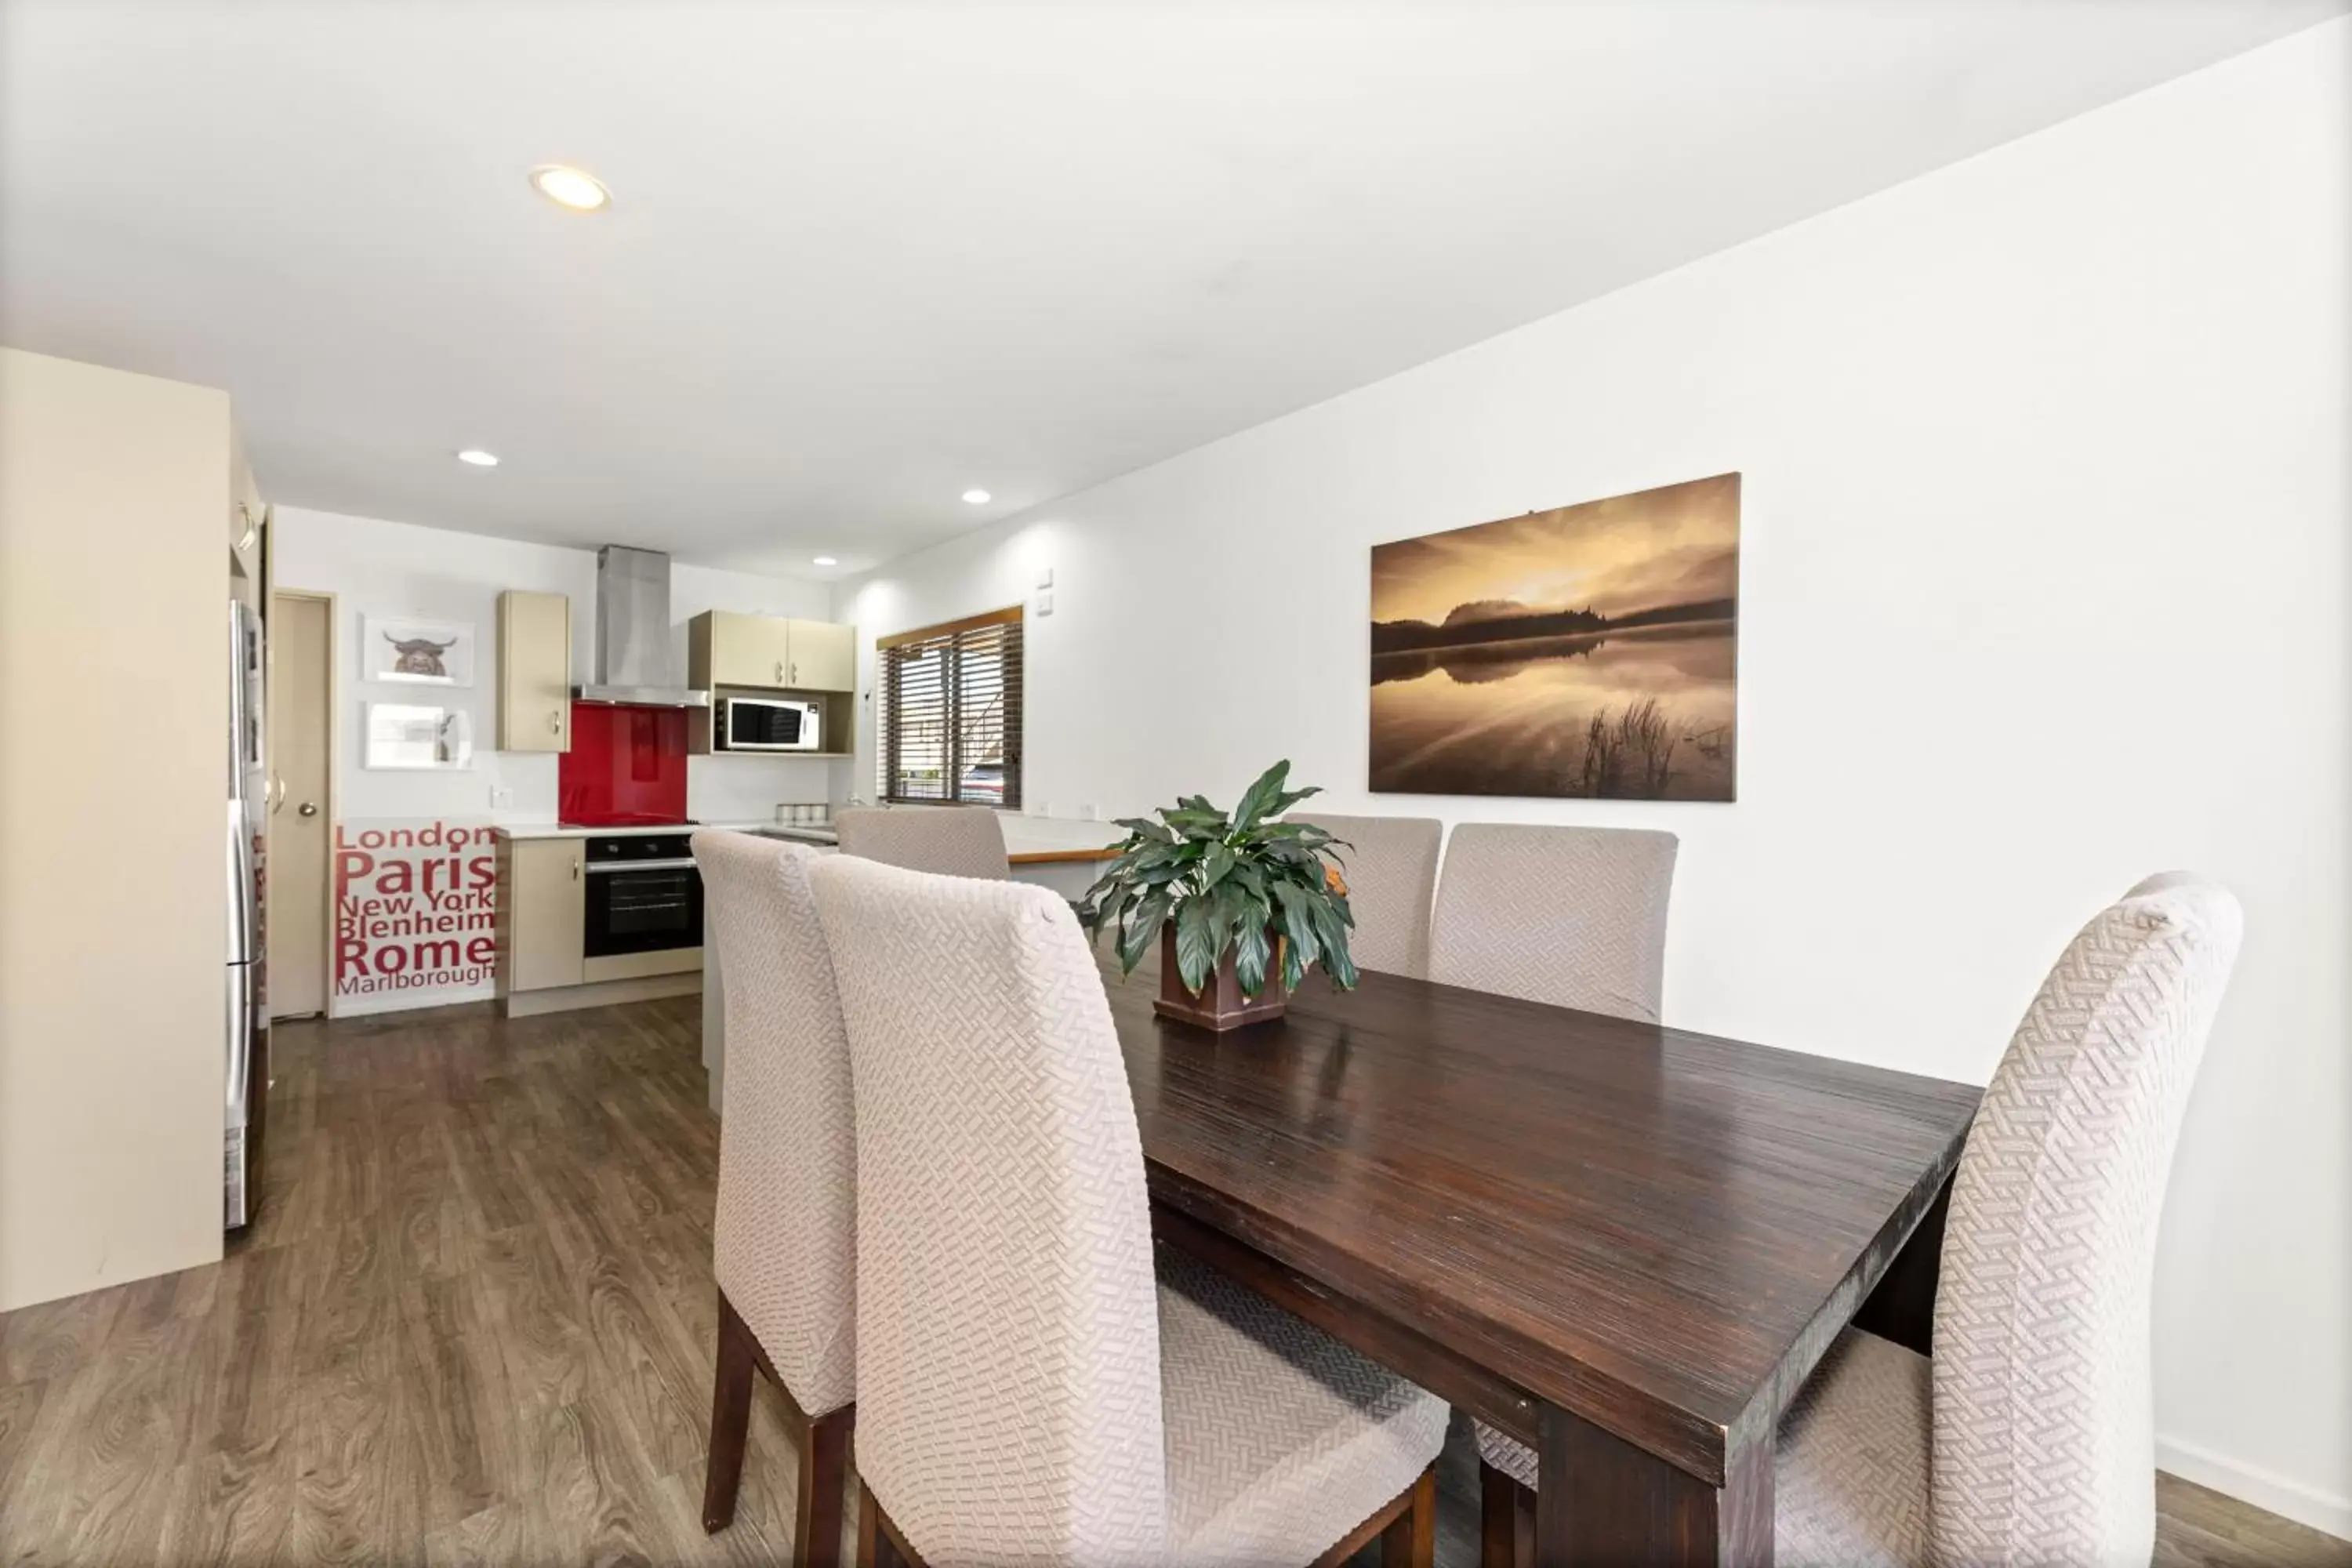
951,722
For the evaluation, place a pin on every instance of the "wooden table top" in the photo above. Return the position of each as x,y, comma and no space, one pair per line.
1658,1230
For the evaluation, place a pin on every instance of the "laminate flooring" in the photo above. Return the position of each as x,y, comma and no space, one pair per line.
473,1325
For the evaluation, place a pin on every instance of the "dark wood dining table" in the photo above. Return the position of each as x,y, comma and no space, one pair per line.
1624,1245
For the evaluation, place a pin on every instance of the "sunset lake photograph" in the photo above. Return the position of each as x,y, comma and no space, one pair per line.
1588,651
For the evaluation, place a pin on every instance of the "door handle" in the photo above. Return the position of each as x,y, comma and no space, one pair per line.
277,796
308,808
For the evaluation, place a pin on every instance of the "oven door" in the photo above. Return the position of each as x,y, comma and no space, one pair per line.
648,906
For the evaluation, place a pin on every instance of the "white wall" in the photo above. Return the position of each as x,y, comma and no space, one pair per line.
398,568
115,504
2045,587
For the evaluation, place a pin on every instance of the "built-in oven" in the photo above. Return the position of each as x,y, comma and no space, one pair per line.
770,724
644,894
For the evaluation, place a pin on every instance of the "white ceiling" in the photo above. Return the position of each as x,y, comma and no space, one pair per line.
863,258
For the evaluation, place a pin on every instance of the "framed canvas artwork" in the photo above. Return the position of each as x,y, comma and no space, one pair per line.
426,653
416,735
1588,651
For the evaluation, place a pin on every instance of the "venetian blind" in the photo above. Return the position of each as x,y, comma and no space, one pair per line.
951,722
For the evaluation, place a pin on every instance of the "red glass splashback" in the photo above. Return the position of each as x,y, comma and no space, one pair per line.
625,766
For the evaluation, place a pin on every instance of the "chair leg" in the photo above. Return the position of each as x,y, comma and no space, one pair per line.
1411,1539
879,1544
1498,1521
824,1465
731,1418
869,1531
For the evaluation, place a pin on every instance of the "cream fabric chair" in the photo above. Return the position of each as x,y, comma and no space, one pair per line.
2028,1437
1572,916
1027,1395
950,840
782,1242
1391,866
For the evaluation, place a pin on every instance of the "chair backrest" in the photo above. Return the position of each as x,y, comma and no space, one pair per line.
1008,1337
949,840
2044,1441
784,1242
1572,916
1391,866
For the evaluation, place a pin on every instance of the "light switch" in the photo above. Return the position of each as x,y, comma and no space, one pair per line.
1045,604
1045,576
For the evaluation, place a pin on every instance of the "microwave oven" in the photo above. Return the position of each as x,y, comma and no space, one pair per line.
770,724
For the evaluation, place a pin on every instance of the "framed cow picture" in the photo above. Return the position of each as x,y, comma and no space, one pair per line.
424,653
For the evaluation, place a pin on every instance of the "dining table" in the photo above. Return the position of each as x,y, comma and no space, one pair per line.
1621,1244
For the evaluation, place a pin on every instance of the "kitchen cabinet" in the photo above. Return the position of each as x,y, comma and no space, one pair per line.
768,653
543,912
534,672
824,656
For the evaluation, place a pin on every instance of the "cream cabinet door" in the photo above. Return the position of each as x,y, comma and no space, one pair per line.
547,911
749,650
824,657
534,672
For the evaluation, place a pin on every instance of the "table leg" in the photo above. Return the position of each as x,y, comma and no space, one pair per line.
1602,1501
1902,1306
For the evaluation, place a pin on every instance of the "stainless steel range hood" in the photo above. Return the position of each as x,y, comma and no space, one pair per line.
632,655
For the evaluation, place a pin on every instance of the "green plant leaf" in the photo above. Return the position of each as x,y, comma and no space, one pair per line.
1294,967
1141,929
1144,827
1216,863
1337,962
1298,920
1289,798
1251,952
1196,952
1260,796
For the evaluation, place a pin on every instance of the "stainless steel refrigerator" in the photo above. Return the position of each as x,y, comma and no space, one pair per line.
247,1010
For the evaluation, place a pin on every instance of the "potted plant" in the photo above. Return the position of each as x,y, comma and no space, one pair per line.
1241,904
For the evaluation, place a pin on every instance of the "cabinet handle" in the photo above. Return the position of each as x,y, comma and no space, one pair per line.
796,672
779,672
555,721
575,870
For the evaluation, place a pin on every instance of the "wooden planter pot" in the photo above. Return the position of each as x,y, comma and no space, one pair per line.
1219,1004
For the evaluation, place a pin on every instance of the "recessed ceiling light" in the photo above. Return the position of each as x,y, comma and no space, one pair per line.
977,497
569,187
478,458
825,561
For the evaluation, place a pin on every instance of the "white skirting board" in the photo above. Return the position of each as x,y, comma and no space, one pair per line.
2251,1483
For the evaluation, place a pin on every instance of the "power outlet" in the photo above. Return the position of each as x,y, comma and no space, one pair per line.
1045,604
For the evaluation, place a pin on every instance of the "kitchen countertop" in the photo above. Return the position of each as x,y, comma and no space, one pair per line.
1028,840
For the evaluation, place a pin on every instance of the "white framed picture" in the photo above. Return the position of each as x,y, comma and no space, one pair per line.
417,735
426,653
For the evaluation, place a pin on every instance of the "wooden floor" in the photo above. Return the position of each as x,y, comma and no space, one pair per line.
473,1325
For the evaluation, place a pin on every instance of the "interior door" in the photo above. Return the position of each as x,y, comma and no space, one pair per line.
302,654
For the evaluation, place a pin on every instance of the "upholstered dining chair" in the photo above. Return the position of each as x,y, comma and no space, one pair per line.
1572,916
1027,1393
1575,917
1391,866
2027,1436
949,840
782,1242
